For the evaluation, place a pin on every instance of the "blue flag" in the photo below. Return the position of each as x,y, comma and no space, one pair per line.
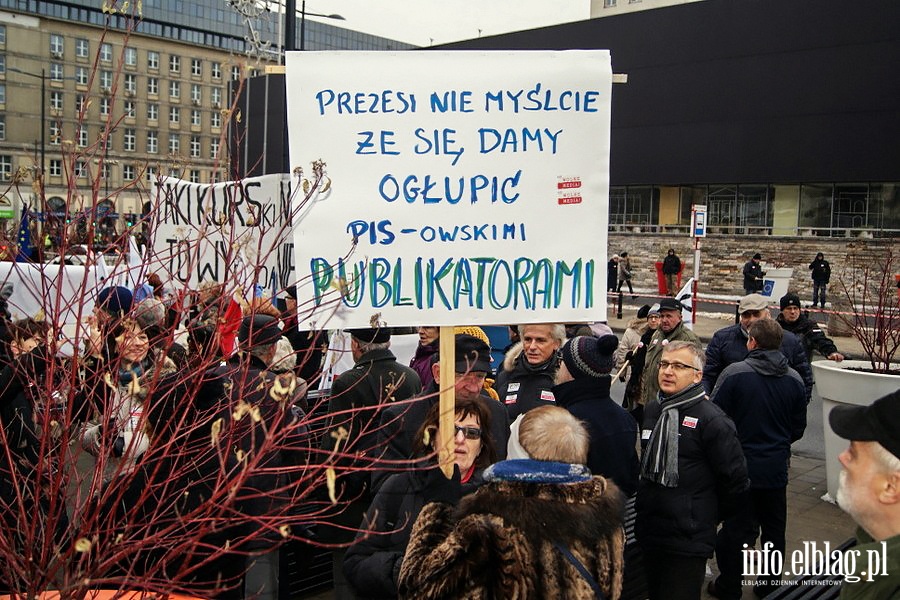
25,246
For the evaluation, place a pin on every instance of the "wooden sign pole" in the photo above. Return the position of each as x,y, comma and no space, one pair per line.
447,385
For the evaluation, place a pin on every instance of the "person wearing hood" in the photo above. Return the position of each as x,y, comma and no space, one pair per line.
766,400
821,275
729,345
529,368
582,387
793,320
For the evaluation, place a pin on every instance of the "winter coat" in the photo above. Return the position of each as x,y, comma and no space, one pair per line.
629,342
671,264
372,563
421,361
753,275
399,424
821,270
650,375
712,475
729,345
810,334
523,386
624,269
766,399
612,452
502,542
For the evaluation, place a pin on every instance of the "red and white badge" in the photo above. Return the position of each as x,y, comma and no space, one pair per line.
547,396
510,399
690,422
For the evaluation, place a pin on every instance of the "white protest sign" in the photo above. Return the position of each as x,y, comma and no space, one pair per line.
235,232
474,184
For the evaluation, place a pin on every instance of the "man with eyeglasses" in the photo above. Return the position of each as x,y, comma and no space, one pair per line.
766,400
729,345
692,473
400,423
671,329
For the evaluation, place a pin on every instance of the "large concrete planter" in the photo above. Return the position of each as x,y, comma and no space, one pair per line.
776,283
839,386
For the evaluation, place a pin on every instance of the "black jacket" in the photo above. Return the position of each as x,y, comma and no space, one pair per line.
729,345
821,270
613,431
810,334
523,386
712,475
671,264
753,274
767,402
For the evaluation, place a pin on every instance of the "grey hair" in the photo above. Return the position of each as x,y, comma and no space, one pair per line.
557,330
285,359
697,354
369,346
885,458
263,351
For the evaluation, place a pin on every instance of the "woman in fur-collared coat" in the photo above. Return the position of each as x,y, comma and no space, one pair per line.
530,532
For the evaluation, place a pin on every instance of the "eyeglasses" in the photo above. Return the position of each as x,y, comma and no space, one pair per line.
664,364
470,433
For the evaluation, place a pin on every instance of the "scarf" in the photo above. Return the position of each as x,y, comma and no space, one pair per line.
660,460
527,470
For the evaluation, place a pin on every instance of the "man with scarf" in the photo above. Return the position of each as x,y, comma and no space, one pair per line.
766,400
671,329
693,474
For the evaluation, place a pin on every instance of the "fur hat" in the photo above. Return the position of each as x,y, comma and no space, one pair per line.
588,356
377,335
115,300
790,299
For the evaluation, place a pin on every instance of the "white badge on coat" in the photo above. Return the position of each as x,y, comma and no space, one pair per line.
547,396
690,422
512,387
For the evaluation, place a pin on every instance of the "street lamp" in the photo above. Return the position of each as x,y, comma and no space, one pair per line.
290,9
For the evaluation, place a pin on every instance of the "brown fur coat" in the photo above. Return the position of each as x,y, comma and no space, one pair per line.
499,543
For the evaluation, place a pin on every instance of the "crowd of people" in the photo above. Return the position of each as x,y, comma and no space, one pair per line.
183,405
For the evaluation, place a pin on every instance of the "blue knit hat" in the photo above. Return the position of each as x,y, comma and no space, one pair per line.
115,300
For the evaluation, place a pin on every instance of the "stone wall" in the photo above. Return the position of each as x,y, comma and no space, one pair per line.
722,257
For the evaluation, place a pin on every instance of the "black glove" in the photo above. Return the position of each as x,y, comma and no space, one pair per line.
440,489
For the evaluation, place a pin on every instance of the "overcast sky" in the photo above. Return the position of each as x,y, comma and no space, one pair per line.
426,22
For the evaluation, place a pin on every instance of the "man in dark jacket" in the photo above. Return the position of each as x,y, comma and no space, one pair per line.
766,400
809,332
821,275
582,388
671,328
753,275
670,268
692,474
358,399
401,422
729,345
526,376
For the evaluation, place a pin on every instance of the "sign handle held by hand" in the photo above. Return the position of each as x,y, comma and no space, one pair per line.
447,386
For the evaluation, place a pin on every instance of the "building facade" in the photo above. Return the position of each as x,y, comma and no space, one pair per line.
98,102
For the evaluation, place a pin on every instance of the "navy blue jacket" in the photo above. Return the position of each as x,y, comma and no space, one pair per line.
729,345
767,402
613,431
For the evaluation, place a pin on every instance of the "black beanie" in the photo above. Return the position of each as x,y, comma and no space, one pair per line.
790,299
588,356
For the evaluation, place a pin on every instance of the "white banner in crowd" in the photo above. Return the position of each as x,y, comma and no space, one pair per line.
64,293
237,232
466,187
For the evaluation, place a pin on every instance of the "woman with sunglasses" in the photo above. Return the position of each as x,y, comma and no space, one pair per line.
372,564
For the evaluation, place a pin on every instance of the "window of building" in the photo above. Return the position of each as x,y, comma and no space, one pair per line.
5,168
106,53
174,143
128,139
55,167
632,205
216,119
106,80
174,89
196,67
2,127
56,100
153,86
174,172
56,72
609,3
129,108
174,63
3,34
130,83
151,173
128,172
83,136
216,97
174,115
196,94
57,45
153,60
80,169
106,171
2,93
195,146
152,142
195,117
216,69
81,75
2,64
214,148
105,104
235,73
79,102
55,133
130,56
152,111
195,176
82,48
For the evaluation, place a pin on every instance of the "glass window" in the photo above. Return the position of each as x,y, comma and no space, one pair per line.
56,100
216,69
106,52
235,73
152,142
130,56
2,34
128,172
80,168
196,94
56,72
214,148
128,139
174,172
2,127
195,146
855,208
174,143
152,111
633,205
196,67
889,199
55,133
2,93
81,75
105,104
174,64
57,45
153,86
195,176
106,80
107,170
130,83
2,63
174,114
195,117
5,168
83,136
153,60
815,208
129,108
216,96
174,89
753,207
151,173
216,120
82,48
55,167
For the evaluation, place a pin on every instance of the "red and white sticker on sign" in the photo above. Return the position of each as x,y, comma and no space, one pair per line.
568,190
